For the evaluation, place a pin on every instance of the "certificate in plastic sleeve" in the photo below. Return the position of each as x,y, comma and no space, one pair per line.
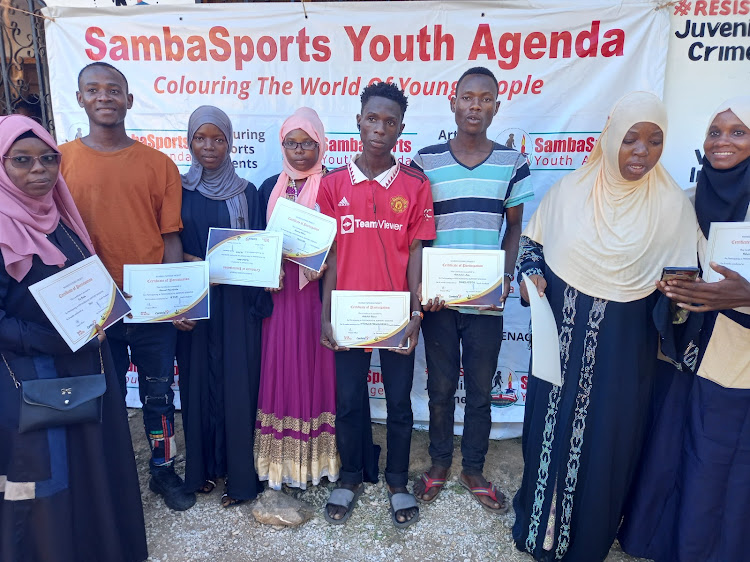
166,292
728,245
308,234
77,298
244,257
472,278
370,318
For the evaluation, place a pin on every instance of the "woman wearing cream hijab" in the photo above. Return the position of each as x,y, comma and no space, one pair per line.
595,246
696,468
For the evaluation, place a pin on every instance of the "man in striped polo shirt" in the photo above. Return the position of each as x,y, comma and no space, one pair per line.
476,183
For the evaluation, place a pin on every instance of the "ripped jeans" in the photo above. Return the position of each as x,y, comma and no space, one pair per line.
152,349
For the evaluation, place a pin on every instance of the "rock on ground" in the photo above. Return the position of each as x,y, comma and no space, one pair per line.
454,527
277,508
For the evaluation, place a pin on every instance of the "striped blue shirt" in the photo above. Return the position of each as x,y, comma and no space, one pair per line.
470,202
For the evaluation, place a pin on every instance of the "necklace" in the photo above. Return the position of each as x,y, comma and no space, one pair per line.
65,230
291,190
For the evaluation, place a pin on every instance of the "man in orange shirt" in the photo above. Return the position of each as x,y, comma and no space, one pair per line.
130,197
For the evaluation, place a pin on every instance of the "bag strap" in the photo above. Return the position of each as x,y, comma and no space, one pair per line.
18,384
13,376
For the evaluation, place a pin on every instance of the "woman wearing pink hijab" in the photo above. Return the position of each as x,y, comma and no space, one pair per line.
295,440
67,493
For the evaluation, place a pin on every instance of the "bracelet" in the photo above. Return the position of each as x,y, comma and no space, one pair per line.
417,313
509,276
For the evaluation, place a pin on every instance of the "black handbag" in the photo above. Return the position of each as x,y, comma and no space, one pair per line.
60,401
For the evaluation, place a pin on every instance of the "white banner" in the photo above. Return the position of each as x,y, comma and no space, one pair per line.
708,62
560,68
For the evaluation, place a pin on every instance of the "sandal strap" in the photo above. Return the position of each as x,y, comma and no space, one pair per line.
430,483
489,491
401,501
341,497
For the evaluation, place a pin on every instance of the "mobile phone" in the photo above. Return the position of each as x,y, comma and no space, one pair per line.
679,273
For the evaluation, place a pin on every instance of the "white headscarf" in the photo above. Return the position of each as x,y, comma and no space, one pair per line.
609,237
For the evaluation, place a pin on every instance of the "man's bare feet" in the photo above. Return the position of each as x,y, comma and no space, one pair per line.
228,501
337,512
483,491
403,515
422,488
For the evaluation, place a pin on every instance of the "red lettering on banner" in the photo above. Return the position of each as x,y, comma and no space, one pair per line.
564,145
216,41
509,47
534,45
320,44
170,43
94,42
401,53
223,46
428,44
721,8
357,40
482,43
243,51
302,41
146,43
591,37
380,48
566,39
402,47
197,50
423,38
285,42
120,51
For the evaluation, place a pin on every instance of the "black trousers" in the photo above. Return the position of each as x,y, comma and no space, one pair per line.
359,457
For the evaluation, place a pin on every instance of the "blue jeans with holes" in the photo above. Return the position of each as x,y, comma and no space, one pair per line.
152,349
480,335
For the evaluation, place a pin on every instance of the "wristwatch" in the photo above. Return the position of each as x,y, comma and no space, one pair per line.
417,313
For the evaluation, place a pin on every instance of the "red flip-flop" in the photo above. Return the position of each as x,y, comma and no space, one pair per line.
429,484
492,493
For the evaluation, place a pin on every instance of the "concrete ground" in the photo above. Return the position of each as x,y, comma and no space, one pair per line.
455,527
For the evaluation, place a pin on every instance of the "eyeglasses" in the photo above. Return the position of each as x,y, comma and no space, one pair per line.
49,160
306,145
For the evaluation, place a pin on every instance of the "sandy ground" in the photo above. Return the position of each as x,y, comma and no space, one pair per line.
455,527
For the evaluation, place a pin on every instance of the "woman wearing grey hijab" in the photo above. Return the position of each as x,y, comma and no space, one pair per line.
219,359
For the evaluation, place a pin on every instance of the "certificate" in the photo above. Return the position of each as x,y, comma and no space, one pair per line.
308,234
167,291
370,318
244,257
472,278
728,245
78,297
545,342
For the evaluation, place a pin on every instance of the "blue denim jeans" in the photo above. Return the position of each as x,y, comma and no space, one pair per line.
353,426
445,332
152,349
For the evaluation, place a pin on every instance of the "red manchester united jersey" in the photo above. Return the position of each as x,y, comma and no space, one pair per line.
377,222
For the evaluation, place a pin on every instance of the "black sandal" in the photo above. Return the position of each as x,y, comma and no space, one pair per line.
226,499
207,488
